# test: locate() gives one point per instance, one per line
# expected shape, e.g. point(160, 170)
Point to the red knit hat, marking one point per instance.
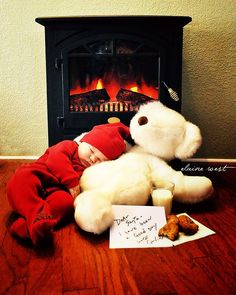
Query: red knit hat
point(108, 139)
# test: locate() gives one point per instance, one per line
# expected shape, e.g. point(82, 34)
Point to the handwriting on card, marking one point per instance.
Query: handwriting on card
point(137, 226)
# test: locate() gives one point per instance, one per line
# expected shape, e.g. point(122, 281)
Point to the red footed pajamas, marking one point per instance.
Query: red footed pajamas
point(39, 192)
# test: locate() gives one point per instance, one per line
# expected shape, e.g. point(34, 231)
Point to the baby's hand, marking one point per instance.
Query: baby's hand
point(74, 191)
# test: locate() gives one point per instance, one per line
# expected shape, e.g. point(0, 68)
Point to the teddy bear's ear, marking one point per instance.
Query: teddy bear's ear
point(191, 142)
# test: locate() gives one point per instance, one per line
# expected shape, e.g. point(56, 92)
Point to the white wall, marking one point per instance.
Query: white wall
point(209, 70)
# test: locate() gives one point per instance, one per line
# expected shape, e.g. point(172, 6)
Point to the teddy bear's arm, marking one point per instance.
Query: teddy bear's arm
point(188, 189)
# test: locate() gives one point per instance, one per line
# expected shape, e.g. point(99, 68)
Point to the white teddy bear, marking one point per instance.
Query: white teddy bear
point(160, 134)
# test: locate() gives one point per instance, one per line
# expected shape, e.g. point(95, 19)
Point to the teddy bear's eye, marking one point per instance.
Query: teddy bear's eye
point(142, 120)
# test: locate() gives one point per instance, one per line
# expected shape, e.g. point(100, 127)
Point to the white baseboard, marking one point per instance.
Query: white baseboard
point(206, 160)
point(19, 157)
point(210, 160)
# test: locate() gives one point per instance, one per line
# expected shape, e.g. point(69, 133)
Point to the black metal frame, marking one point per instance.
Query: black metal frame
point(164, 33)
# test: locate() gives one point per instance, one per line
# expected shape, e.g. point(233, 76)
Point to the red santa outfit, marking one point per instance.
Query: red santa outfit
point(39, 191)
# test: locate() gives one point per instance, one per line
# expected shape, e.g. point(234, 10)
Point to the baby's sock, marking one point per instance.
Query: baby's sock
point(41, 229)
point(19, 228)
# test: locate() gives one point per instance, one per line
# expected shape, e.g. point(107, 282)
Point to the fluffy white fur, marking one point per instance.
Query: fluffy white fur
point(160, 134)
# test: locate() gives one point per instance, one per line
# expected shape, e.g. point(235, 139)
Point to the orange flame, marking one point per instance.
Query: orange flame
point(134, 89)
point(99, 84)
point(112, 86)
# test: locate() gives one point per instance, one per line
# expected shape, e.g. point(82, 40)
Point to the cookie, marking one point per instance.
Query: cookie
point(169, 230)
point(186, 225)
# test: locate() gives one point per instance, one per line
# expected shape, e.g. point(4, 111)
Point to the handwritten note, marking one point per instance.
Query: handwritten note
point(137, 227)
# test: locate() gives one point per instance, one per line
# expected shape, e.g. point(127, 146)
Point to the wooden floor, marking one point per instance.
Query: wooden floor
point(80, 263)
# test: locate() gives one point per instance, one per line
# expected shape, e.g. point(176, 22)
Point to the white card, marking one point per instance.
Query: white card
point(137, 227)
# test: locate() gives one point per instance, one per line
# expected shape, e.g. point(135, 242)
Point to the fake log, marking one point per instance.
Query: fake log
point(134, 98)
point(98, 100)
point(88, 101)
point(94, 96)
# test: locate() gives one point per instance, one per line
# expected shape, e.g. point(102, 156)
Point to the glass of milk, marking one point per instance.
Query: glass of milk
point(162, 195)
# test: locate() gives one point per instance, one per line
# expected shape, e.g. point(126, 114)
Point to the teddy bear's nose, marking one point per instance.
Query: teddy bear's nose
point(142, 120)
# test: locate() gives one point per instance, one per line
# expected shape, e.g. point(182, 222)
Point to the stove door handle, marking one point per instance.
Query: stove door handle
point(60, 122)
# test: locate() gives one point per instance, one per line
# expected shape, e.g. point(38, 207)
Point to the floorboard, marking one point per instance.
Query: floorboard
point(81, 263)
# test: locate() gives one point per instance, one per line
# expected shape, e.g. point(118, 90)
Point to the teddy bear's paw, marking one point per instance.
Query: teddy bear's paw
point(195, 189)
point(93, 212)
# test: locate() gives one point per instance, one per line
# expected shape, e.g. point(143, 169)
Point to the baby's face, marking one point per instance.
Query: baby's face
point(89, 155)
